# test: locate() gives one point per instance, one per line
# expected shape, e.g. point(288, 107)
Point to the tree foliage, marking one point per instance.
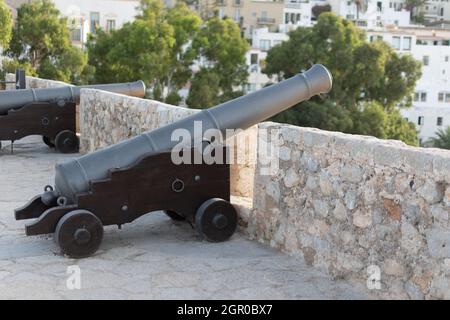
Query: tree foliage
point(442, 139)
point(317, 10)
point(41, 40)
point(222, 49)
point(205, 89)
point(369, 79)
point(155, 48)
point(160, 48)
point(5, 25)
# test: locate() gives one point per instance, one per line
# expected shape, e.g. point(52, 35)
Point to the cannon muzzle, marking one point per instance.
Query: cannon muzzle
point(74, 177)
point(15, 99)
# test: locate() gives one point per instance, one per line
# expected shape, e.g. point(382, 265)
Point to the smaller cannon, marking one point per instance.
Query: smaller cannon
point(122, 182)
point(50, 112)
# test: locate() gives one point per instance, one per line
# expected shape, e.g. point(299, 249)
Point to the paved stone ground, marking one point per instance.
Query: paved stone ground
point(152, 258)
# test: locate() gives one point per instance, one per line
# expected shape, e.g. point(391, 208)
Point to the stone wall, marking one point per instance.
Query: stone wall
point(354, 205)
point(33, 82)
point(107, 118)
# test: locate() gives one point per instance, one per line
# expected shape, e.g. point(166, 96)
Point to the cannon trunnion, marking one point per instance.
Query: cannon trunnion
point(196, 193)
point(54, 122)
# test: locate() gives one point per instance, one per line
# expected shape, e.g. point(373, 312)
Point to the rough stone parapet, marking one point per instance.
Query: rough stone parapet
point(351, 204)
point(347, 204)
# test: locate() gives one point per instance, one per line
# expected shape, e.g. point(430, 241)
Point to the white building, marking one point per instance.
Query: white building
point(262, 41)
point(373, 13)
point(297, 13)
point(435, 10)
point(255, 60)
point(86, 16)
point(431, 106)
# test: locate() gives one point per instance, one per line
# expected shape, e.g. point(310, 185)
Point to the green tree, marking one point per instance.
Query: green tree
point(413, 6)
point(222, 49)
point(41, 40)
point(5, 25)
point(317, 10)
point(369, 79)
point(69, 66)
point(205, 89)
point(442, 139)
point(319, 114)
point(155, 48)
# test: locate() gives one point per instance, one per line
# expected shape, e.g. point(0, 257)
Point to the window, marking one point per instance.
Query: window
point(254, 58)
point(406, 43)
point(237, 2)
point(420, 96)
point(426, 60)
point(75, 35)
point(379, 6)
point(264, 44)
point(237, 15)
point(420, 120)
point(298, 17)
point(396, 42)
point(286, 18)
point(444, 97)
point(423, 96)
point(446, 58)
point(221, 14)
point(94, 21)
point(110, 24)
point(439, 121)
point(264, 14)
point(442, 12)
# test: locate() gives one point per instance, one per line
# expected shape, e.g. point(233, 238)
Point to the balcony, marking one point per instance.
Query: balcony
point(360, 22)
point(265, 21)
point(294, 5)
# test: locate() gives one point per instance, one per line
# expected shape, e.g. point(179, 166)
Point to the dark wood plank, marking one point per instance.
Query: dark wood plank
point(40, 118)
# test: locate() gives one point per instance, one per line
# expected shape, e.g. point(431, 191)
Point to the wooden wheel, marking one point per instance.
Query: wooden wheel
point(79, 234)
point(216, 220)
point(67, 142)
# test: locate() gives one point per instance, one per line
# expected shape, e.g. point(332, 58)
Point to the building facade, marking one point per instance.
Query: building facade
point(431, 102)
point(86, 16)
point(435, 10)
point(249, 14)
point(372, 13)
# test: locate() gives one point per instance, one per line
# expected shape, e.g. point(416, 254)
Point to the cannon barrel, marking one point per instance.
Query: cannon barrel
point(15, 99)
point(74, 176)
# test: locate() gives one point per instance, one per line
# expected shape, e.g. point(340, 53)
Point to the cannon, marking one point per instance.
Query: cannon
point(122, 182)
point(50, 112)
